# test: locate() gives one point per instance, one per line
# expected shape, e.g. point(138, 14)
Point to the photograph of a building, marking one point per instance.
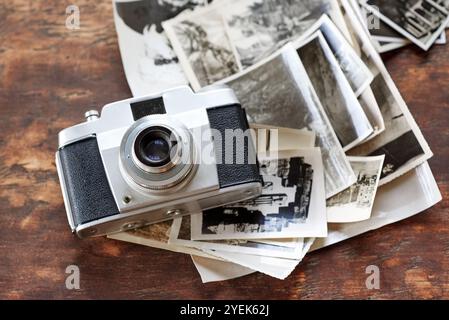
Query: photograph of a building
point(355, 203)
point(274, 209)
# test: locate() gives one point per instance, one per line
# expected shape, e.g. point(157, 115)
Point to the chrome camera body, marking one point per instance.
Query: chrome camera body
point(152, 158)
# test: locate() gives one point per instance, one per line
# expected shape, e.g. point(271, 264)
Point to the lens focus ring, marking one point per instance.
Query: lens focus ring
point(157, 153)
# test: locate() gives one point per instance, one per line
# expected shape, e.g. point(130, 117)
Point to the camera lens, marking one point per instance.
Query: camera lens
point(154, 146)
point(157, 153)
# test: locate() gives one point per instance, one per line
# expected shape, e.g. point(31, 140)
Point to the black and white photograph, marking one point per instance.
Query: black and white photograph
point(181, 235)
point(372, 24)
point(402, 142)
point(356, 203)
point(277, 91)
point(357, 73)
point(148, 59)
point(336, 95)
point(202, 46)
point(378, 29)
point(398, 142)
point(384, 37)
point(292, 203)
point(215, 42)
point(421, 21)
point(260, 27)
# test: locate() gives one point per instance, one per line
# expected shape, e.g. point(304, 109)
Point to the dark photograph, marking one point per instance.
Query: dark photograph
point(335, 93)
point(422, 21)
point(398, 142)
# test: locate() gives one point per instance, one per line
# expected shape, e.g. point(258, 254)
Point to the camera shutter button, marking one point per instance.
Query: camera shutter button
point(92, 115)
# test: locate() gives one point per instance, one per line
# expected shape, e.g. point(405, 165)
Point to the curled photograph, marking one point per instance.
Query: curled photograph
point(278, 91)
point(339, 101)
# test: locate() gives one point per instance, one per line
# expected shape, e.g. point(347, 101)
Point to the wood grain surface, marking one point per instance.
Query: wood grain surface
point(50, 75)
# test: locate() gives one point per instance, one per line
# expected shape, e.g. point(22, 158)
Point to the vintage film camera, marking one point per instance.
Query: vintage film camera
point(143, 161)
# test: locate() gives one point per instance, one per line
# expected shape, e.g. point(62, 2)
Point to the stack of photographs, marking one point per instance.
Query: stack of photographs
point(338, 146)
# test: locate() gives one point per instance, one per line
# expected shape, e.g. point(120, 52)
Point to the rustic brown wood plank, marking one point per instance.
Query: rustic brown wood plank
point(49, 76)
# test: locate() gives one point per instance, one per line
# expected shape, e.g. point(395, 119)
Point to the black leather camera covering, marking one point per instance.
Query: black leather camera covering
point(87, 186)
point(233, 117)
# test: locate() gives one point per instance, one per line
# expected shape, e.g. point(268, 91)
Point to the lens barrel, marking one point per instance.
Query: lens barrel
point(155, 146)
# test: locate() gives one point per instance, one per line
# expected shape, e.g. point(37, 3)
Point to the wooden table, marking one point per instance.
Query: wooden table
point(50, 75)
